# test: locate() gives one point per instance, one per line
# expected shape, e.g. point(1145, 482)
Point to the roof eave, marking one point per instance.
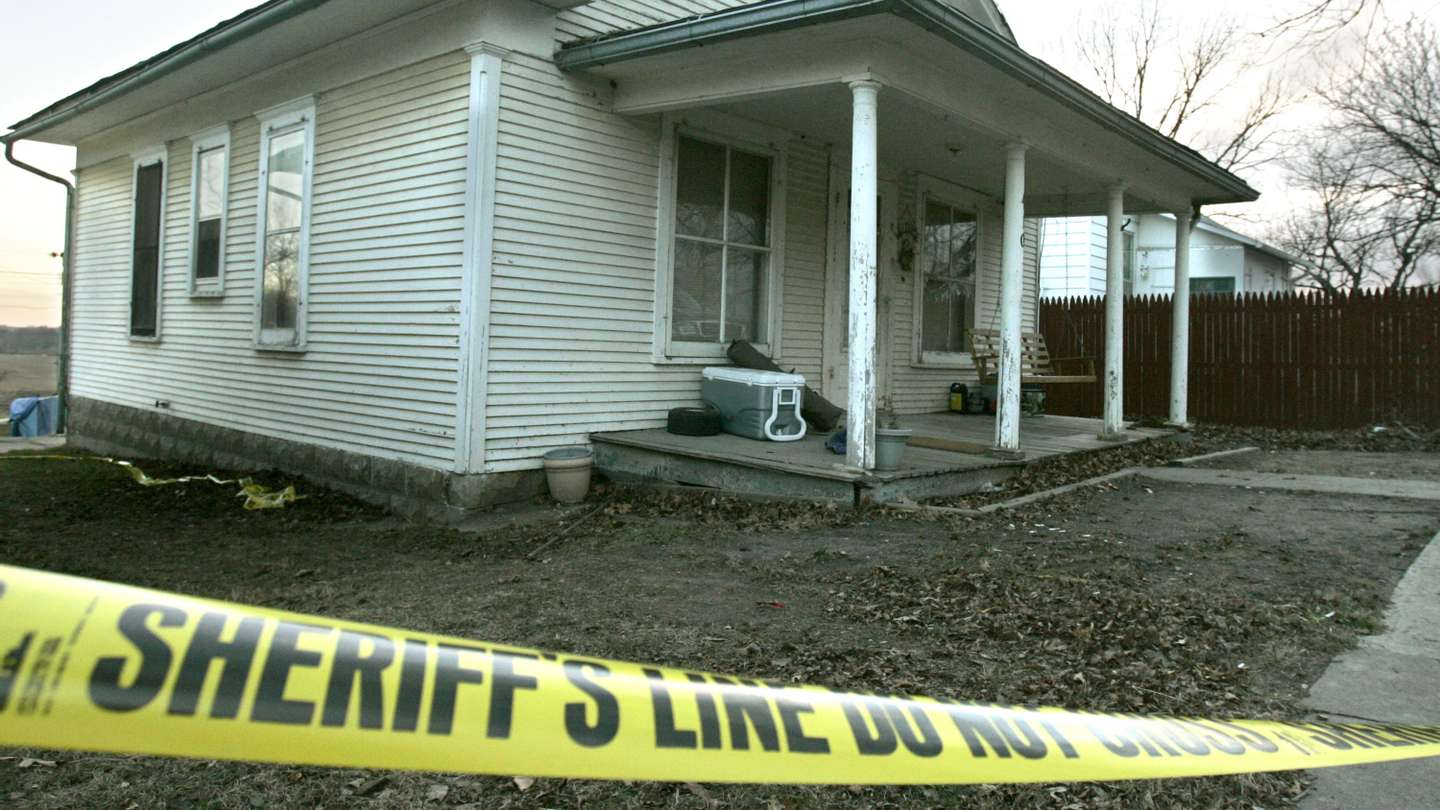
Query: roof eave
point(932, 15)
point(227, 33)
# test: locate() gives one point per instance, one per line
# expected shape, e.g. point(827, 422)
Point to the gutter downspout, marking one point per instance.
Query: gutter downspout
point(63, 383)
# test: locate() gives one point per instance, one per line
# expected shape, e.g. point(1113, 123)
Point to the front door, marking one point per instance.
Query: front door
point(836, 351)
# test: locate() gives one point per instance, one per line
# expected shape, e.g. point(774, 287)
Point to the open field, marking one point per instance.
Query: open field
point(1082, 601)
point(24, 375)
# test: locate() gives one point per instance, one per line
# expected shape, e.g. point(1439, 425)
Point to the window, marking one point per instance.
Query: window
point(209, 188)
point(286, 161)
point(148, 229)
point(950, 239)
point(1212, 286)
point(721, 254)
point(1128, 261)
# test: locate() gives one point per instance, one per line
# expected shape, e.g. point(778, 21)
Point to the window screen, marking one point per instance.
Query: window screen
point(145, 267)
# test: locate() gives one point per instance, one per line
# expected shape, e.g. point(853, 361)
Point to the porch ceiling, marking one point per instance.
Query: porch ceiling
point(941, 90)
point(916, 136)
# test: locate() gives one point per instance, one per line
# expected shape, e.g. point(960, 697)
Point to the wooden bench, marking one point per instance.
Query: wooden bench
point(1036, 364)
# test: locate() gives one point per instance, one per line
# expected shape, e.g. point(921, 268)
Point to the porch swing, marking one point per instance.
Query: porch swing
point(1037, 367)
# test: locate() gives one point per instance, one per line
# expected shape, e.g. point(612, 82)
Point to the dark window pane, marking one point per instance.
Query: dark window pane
point(700, 189)
point(749, 199)
point(281, 294)
point(207, 248)
point(745, 295)
point(1128, 262)
point(145, 269)
point(1212, 286)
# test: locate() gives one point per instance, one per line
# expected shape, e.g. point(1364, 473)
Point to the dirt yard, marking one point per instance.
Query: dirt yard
point(25, 375)
point(1134, 597)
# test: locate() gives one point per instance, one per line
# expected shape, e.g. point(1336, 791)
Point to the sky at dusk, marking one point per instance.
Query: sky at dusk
point(51, 49)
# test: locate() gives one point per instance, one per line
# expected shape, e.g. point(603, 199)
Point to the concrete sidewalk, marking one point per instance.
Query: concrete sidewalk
point(1392, 677)
point(1325, 484)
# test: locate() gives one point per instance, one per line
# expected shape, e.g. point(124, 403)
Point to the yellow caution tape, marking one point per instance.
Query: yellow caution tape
point(256, 496)
point(97, 666)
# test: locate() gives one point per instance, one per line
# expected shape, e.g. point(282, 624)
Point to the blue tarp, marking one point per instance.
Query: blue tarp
point(33, 416)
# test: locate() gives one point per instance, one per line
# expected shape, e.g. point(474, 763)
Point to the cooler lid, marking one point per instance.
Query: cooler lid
point(750, 376)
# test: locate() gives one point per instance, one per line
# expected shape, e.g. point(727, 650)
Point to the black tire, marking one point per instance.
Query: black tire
point(701, 421)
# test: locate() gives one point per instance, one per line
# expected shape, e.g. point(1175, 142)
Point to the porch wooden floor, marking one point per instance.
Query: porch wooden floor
point(806, 469)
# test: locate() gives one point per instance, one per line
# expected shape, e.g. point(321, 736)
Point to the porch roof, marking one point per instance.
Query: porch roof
point(1027, 99)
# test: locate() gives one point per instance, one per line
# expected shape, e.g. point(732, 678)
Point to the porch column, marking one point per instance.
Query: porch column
point(1012, 287)
point(864, 185)
point(1180, 326)
point(1114, 430)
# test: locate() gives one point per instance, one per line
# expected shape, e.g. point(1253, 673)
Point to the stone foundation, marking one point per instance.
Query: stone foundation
point(409, 489)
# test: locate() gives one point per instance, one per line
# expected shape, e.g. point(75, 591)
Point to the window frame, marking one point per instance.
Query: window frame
point(756, 139)
point(962, 200)
point(294, 116)
point(200, 143)
point(143, 159)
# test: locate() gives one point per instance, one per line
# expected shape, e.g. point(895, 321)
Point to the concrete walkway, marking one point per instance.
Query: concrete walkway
point(1392, 677)
point(1325, 484)
point(13, 444)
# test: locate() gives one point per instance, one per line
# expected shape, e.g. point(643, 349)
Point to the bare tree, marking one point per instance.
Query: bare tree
point(1172, 80)
point(1373, 174)
point(1321, 19)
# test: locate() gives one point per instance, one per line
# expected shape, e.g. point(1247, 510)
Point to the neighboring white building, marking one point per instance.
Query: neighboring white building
point(409, 246)
point(1072, 258)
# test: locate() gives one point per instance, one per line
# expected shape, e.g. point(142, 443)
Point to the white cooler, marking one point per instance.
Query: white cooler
point(756, 404)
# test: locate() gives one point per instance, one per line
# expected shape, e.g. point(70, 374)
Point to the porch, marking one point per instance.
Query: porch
point(806, 469)
point(940, 137)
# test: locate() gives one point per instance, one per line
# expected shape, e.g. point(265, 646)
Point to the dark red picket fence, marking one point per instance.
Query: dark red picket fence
point(1292, 360)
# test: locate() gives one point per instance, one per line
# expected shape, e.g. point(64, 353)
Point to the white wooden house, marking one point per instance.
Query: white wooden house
point(408, 246)
point(1222, 260)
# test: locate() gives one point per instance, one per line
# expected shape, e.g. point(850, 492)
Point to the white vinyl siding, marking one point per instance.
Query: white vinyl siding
point(806, 217)
point(1073, 256)
point(386, 232)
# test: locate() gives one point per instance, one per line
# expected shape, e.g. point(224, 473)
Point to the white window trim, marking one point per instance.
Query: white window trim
point(215, 138)
point(740, 134)
point(284, 118)
point(965, 200)
point(147, 157)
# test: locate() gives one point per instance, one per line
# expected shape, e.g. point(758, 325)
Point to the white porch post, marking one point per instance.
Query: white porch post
point(1012, 287)
point(1114, 429)
point(1180, 328)
point(864, 185)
